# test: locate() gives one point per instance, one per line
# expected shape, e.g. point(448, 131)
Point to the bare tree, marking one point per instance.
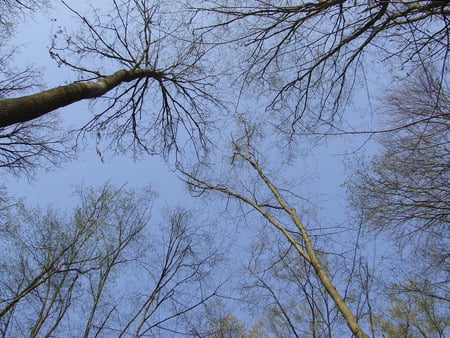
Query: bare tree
point(102, 272)
point(283, 292)
point(404, 192)
point(149, 68)
point(278, 213)
point(294, 301)
point(310, 55)
point(150, 78)
point(406, 187)
point(25, 146)
point(144, 61)
point(28, 146)
point(13, 11)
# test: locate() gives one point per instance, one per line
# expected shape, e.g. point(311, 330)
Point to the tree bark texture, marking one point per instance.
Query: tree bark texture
point(26, 108)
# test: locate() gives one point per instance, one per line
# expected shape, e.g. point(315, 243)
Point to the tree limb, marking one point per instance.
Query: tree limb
point(26, 108)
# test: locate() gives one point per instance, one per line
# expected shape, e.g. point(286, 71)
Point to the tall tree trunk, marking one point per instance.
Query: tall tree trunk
point(26, 108)
point(325, 279)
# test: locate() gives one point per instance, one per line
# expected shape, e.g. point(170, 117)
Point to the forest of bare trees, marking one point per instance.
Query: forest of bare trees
point(236, 98)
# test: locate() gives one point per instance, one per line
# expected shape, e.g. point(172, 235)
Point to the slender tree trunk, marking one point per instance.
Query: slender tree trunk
point(311, 255)
point(308, 252)
point(26, 108)
point(351, 320)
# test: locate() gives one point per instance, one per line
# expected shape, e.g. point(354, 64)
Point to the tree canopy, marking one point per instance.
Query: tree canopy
point(235, 97)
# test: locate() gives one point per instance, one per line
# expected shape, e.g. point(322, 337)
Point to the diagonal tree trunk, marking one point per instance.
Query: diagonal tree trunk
point(26, 108)
point(305, 250)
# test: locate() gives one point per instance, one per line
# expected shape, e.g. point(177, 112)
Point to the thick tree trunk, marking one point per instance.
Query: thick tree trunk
point(26, 108)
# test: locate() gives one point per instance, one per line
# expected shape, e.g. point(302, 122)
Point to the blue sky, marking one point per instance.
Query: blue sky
point(324, 165)
point(55, 186)
point(321, 172)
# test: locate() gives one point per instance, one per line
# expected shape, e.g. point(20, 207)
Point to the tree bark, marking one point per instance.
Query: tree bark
point(342, 306)
point(348, 315)
point(308, 252)
point(26, 108)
